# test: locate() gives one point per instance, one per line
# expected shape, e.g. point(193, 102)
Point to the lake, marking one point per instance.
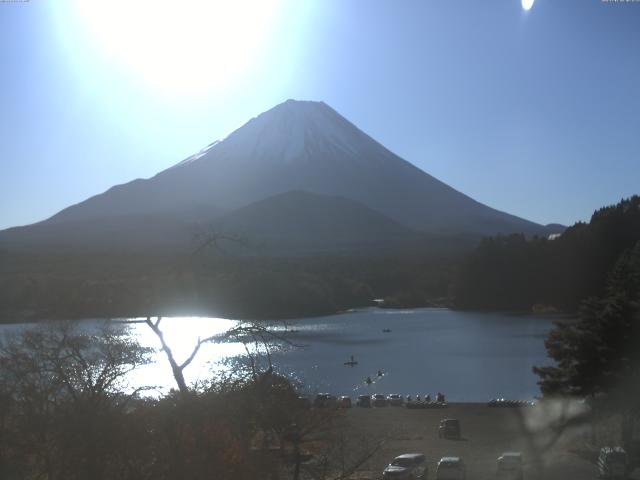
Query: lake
point(469, 356)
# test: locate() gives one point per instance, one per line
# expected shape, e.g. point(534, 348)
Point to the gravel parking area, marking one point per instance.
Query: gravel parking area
point(486, 434)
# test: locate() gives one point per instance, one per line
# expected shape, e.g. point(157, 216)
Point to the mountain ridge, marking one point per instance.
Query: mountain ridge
point(297, 146)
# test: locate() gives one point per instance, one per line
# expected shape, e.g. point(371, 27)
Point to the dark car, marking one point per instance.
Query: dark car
point(363, 401)
point(613, 462)
point(449, 428)
point(325, 400)
point(379, 400)
point(304, 402)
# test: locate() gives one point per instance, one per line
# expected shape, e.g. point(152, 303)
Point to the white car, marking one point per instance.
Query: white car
point(408, 466)
point(510, 466)
point(451, 468)
point(379, 400)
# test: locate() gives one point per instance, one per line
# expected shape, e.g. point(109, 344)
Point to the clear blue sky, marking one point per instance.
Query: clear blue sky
point(536, 113)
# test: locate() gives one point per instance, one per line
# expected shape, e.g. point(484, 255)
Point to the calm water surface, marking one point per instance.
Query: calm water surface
point(469, 356)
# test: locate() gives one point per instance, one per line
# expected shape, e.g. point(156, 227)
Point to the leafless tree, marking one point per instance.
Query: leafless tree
point(339, 450)
point(210, 239)
point(61, 387)
point(177, 368)
point(256, 337)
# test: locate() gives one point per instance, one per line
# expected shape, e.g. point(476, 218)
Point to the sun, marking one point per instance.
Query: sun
point(527, 4)
point(180, 46)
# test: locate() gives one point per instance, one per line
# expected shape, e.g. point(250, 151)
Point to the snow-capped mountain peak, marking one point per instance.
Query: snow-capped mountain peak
point(288, 132)
point(302, 146)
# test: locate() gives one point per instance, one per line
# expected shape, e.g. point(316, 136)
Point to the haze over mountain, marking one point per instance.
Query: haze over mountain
point(297, 146)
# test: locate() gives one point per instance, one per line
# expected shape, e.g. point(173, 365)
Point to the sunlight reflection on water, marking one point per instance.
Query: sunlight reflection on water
point(471, 356)
point(181, 335)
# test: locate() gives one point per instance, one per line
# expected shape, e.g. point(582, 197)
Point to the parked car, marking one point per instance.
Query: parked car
point(407, 466)
point(510, 466)
point(344, 401)
point(325, 400)
point(449, 428)
point(503, 403)
point(613, 462)
point(364, 401)
point(451, 468)
point(304, 402)
point(395, 400)
point(379, 400)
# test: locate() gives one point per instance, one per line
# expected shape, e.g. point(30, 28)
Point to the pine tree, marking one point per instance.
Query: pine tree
point(598, 356)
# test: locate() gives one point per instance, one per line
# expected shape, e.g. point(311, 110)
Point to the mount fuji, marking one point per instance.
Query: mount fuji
point(299, 163)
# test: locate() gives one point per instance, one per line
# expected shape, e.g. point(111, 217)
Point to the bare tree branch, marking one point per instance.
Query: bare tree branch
point(212, 238)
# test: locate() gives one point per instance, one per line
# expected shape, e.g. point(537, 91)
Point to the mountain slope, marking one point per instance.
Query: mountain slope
point(305, 146)
point(118, 233)
point(302, 221)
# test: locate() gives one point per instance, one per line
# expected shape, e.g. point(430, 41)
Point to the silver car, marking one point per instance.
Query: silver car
point(409, 466)
point(510, 466)
point(451, 468)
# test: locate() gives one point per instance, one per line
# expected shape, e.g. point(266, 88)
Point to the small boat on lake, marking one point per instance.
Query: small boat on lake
point(352, 362)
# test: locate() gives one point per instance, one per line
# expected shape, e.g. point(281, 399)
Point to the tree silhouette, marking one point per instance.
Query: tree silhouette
point(598, 356)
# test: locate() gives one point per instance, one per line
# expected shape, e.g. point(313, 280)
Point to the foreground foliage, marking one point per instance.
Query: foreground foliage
point(68, 413)
point(597, 356)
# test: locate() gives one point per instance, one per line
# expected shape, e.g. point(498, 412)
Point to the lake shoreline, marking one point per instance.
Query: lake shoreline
point(43, 317)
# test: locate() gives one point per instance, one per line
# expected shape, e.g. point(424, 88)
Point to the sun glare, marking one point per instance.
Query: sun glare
point(186, 46)
point(527, 4)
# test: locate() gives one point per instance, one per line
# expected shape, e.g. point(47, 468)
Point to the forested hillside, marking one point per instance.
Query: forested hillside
point(513, 272)
point(89, 286)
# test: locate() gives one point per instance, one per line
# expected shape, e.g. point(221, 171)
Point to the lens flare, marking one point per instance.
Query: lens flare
point(191, 45)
